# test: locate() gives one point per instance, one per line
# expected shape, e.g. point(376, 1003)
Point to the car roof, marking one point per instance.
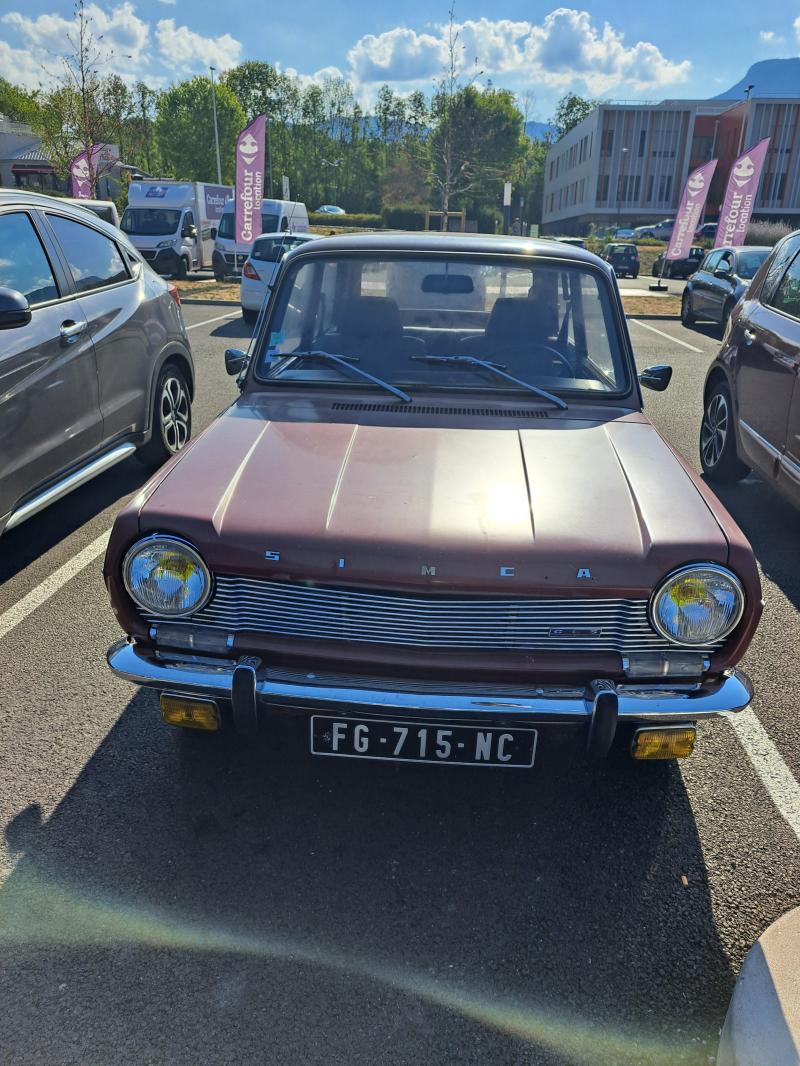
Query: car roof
point(456, 244)
point(21, 198)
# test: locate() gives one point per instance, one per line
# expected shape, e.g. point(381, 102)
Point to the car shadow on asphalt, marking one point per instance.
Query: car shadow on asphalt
point(198, 899)
point(771, 525)
point(234, 327)
point(21, 546)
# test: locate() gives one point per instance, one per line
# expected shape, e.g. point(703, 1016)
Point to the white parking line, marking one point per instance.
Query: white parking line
point(775, 775)
point(208, 321)
point(666, 336)
point(49, 587)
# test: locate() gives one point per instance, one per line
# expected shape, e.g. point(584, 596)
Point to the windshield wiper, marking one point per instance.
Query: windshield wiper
point(345, 364)
point(494, 368)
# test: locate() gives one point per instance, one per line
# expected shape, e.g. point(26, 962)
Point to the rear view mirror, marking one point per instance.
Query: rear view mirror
point(235, 361)
point(14, 309)
point(448, 284)
point(656, 377)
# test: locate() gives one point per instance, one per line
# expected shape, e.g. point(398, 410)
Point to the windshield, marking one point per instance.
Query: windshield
point(227, 225)
point(549, 325)
point(750, 261)
point(270, 249)
point(150, 221)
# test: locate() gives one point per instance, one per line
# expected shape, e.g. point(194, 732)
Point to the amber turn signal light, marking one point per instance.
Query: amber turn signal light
point(676, 743)
point(189, 713)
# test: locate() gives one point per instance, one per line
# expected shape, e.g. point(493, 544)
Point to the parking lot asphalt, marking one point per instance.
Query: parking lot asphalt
point(168, 901)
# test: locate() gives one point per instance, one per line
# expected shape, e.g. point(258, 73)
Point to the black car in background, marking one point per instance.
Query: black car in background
point(679, 268)
point(719, 283)
point(624, 258)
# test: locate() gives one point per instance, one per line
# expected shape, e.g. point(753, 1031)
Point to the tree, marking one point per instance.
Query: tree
point(84, 107)
point(184, 129)
point(476, 141)
point(570, 110)
point(16, 103)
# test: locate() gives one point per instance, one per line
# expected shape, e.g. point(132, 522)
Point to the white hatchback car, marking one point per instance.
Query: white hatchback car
point(261, 266)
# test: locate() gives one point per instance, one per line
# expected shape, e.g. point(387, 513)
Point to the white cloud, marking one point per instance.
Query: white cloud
point(170, 3)
point(188, 51)
point(397, 55)
point(796, 25)
point(564, 48)
point(771, 37)
point(317, 78)
point(123, 33)
point(20, 68)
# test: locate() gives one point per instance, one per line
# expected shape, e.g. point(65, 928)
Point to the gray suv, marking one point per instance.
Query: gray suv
point(95, 363)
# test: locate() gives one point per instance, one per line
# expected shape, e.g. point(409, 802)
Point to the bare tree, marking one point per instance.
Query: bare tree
point(83, 108)
point(452, 171)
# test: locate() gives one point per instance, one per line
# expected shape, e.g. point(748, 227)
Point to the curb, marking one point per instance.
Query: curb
point(208, 303)
point(656, 318)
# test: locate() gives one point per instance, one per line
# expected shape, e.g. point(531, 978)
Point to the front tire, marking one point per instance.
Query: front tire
point(183, 268)
point(718, 455)
point(687, 314)
point(171, 417)
point(250, 317)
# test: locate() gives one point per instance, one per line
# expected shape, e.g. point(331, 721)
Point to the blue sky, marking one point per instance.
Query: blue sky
point(628, 49)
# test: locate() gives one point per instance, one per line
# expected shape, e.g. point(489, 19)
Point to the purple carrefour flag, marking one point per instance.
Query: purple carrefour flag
point(691, 207)
point(80, 176)
point(740, 196)
point(249, 180)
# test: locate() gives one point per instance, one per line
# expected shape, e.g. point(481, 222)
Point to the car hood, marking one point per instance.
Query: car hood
point(571, 505)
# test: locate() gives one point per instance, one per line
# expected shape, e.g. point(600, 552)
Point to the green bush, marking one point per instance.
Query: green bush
point(404, 216)
point(321, 218)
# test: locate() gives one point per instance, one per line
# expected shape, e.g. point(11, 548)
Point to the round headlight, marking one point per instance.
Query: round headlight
point(697, 605)
point(165, 576)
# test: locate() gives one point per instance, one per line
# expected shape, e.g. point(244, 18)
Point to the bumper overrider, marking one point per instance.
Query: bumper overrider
point(251, 688)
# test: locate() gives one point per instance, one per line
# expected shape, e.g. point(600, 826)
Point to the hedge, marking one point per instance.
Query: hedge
point(404, 216)
point(321, 218)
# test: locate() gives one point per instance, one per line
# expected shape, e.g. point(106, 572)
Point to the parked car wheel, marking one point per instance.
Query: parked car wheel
point(718, 455)
point(654, 271)
point(687, 314)
point(218, 277)
point(172, 417)
point(249, 316)
point(635, 275)
point(183, 267)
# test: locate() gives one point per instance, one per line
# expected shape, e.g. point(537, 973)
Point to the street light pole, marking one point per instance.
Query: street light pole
point(747, 90)
point(216, 131)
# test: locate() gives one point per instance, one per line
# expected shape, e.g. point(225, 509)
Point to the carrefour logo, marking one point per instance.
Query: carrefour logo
point(248, 148)
point(80, 169)
point(743, 171)
point(696, 184)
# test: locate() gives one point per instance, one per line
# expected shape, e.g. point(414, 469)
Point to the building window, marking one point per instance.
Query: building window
point(607, 143)
point(642, 142)
point(602, 188)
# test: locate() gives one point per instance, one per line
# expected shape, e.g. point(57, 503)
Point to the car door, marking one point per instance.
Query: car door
point(786, 305)
point(721, 284)
point(767, 336)
point(701, 283)
point(122, 328)
point(190, 236)
point(50, 417)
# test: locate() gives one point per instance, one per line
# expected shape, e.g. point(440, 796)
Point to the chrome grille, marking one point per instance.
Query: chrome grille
point(314, 612)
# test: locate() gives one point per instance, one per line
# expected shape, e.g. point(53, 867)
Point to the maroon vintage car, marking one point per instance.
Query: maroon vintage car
point(437, 523)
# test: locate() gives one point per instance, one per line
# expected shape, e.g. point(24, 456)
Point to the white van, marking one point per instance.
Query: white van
point(277, 216)
point(174, 223)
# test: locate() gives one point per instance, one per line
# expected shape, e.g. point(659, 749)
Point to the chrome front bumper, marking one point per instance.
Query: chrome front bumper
point(249, 682)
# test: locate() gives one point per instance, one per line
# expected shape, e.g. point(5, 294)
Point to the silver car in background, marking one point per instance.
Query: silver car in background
point(95, 363)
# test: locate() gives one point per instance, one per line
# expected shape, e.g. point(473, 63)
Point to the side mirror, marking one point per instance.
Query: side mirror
point(14, 309)
point(193, 231)
point(723, 273)
point(213, 233)
point(235, 361)
point(657, 377)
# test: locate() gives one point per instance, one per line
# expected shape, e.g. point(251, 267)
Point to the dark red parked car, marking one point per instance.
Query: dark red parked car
point(751, 402)
point(437, 523)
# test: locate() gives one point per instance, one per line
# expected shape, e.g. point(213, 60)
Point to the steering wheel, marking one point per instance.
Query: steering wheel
point(526, 349)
